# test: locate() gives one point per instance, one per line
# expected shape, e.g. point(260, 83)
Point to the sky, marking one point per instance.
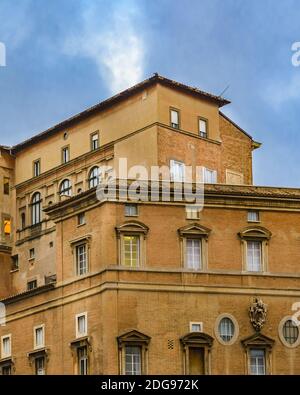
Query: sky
point(63, 56)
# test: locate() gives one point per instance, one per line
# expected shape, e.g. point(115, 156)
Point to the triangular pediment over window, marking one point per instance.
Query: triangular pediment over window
point(258, 340)
point(194, 229)
point(134, 337)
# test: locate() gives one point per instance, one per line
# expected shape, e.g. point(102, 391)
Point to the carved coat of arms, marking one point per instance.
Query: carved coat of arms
point(258, 314)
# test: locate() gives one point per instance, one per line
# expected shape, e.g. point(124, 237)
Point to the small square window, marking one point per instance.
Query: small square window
point(31, 253)
point(81, 219)
point(253, 216)
point(131, 210)
point(192, 212)
point(196, 326)
point(81, 325)
point(31, 285)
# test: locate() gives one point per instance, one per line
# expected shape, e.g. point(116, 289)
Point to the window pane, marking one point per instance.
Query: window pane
point(226, 329)
point(39, 337)
point(131, 250)
point(202, 128)
point(177, 171)
point(81, 259)
point(290, 332)
point(193, 254)
point(254, 258)
point(81, 325)
point(6, 347)
point(40, 366)
point(133, 364)
point(174, 118)
point(82, 360)
point(253, 216)
point(257, 361)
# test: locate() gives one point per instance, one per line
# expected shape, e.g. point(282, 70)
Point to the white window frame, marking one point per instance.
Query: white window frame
point(175, 125)
point(3, 354)
point(81, 219)
point(133, 362)
point(200, 324)
point(174, 166)
point(138, 260)
point(79, 334)
point(85, 268)
point(256, 362)
point(192, 212)
point(253, 212)
point(202, 133)
point(128, 210)
point(39, 371)
point(65, 154)
point(36, 168)
point(37, 346)
point(195, 265)
point(210, 176)
point(252, 267)
point(95, 141)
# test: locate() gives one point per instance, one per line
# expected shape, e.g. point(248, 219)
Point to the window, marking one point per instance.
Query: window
point(81, 259)
point(6, 370)
point(177, 171)
point(290, 332)
point(254, 256)
point(6, 185)
point(253, 216)
point(15, 262)
point(131, 210)
point(31, 285)
point(209, 176)
point(36, 208)
point(7, 226)
point(65, 135)
point(133, 360)
point(193, 254)
point(131, 251)
point(226, 329)
point(196, 326)
point(31, 253)
point(257, 361)
point(174, 118)
point(95, 141)
point(65, 154)
point(81, 325)
point(94, 177)
point(65, 188)
point(192, 212)
point(39, 363)
point(202, 127)
point(81, 219)
point(6, 346)
point(39, 336)
point(82, 356)
point(196, 349)
point(23, 221)
point(36, 168)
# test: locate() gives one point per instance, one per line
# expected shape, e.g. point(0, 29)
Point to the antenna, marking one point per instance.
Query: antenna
point(223, 91)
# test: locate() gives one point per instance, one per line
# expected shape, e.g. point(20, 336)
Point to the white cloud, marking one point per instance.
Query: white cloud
point(113, 42)
point(283, 91)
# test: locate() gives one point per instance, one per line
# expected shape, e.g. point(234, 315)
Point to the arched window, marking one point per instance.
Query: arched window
point(94, 177)
point(36, 208)
point(65, 188)
point(23, 221)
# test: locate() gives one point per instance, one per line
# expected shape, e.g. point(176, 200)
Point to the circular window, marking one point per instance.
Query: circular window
point(226, 329)
point(289, 332)
point(65, 135)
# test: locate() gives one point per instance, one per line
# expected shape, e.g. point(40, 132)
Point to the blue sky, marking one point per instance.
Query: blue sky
point(64, 55)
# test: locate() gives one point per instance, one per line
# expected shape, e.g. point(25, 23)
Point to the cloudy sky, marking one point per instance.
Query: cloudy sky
point(63, 56)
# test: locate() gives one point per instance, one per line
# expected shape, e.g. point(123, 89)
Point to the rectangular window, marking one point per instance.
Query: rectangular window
point(31, 285)
point(81, 259)
point(81, 325)
point(131, 210)
point(94, 141)
point(40, 366)
point(82, 356)
point(6, 370)
point(192, 212)
point(202, 127)
point(253, 216)
point(254, 256)
point(193, 254)
point(6, 346)
point(7, 226)
point(81, 219)
point(31, 253)
point(257, 361)
point(36, 168)
point(196, 326)
point(209, 176)
point(133, 360)
point(6, 185)
point(131, 251)
point(65, 154)
point(174, 118)
point(177, 171)
point(15, 262)
point(39, 336)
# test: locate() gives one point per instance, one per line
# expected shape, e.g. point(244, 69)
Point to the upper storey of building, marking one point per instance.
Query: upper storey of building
point(156, 122)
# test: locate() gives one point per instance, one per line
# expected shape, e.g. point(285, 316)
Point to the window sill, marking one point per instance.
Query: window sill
point(253, 222)
point(80, 225)
point(14, 270)
point(31, 260)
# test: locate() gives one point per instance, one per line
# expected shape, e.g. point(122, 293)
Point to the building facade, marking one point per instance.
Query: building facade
point(154, 286)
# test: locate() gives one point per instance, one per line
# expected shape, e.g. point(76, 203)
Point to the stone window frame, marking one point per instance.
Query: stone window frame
point(280, 333)
point(258, 341)
point(255, 233)
point(194, 231)
point(7, 336)
point(196, 340)
point(132, 228)
point(170, 117)
point(133, 338)
point(38, 353)
point(96, 133)
point(35, 346)
point(206, 120)
point(7, 362)
point(86, 239)
point(77, 333)
point(236, 329)
point(75, 345)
